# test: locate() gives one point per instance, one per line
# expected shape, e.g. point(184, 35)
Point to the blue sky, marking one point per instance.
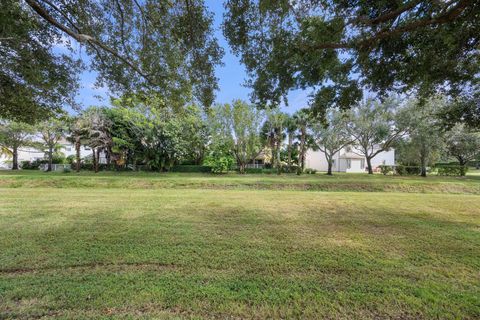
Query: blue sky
point(231, 75)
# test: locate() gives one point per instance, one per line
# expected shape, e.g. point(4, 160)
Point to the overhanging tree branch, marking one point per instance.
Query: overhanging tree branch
point(446, 17)
point(84, 38)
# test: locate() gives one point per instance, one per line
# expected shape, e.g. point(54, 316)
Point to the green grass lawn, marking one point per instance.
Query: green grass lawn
point(201, 246)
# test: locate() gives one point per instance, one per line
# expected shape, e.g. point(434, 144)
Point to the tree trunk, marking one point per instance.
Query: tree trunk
point(369, 165)
point(423, 171)
point(77, 154)
point(94, 159)
point(329, 170)
point(15, 158)
point(50, 158)
point(98, 160)
point(301, 154)
point(272, 147)
point(279, 162)
point(290, 142)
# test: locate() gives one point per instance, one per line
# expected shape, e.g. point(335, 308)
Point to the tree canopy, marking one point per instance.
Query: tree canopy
point(338, 47)
point(166, 47)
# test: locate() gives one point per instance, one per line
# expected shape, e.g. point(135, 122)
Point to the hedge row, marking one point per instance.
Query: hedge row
point(452, 170)
point(440, 169)
point(191, 168)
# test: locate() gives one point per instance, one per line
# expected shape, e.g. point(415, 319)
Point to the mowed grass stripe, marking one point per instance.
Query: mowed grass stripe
point(318, 182)
point(241, 253)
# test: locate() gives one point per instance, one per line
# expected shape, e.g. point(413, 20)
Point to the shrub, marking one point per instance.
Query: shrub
point(413, 170)
point(67, 169)
point(221, 164)
point(310, 171)
point(191, 168)
point(254, 170)
point(31, 165)
point(71, 159)
point(384, 169)
point(452, 170)
point(400, 170)
point(270, 171)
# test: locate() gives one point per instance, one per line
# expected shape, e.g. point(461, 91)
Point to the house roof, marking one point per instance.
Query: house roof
point(351, 155)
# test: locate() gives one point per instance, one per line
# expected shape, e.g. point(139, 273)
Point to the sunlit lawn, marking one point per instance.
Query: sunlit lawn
point(179, 250)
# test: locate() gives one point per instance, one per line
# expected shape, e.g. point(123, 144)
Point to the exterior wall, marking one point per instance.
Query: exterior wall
point(385, 157)
point(316, 160)
point(356, 165)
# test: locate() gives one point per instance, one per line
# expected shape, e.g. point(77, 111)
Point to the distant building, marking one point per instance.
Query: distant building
point(32, 154)
point(348, 160)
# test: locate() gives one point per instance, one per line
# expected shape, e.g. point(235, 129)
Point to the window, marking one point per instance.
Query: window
point(87, 148)
point(349, 163)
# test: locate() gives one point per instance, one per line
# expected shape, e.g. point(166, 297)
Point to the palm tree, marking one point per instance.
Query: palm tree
point(291, 127)
point(273, 131)
point(302, 119)
point(77, 136)
point(97, 128)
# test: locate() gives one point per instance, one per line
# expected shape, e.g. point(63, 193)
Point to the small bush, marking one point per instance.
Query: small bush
point(452, 170)
point(384, 169)
point(191, 168)
point(400, 170)
point(310, 171)
point(219, 164)
point(67, 169)
point(254, 170)
point(31, 165)
point(413, 170)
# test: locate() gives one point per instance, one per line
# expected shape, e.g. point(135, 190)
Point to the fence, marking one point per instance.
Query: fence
point(255, 166)
point(56, 167)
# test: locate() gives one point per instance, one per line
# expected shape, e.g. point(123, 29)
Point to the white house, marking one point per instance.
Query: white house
point(32, 154)
point(348, 160)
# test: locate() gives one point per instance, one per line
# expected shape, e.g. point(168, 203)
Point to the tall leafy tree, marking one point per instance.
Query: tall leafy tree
point(51, 131)
point(337, 47)
point(463, 144)
point(333, 136)
point(425, 139)
point(240, 124)
point(148, 46)
point(374, 128)
point(35, 81)
point(14, 135)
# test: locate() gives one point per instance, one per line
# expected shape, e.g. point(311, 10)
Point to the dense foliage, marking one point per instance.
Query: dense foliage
point(134, 46)
point(338, 47)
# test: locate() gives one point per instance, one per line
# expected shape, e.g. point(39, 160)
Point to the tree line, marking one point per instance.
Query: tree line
point(144, 131)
